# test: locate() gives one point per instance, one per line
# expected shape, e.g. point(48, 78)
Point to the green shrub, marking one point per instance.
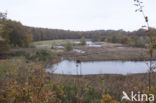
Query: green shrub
point(82, 41)
point(19, 53)
point(140, 42)
point(42, 55)
point(131, 43)
point(68, 46)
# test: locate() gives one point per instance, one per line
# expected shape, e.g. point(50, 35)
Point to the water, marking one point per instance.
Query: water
point(60, 47)
point(76, 42)
point(89, 43)
point(121, 47)
point(79, 51)
point(92, 44)
point(99, 67)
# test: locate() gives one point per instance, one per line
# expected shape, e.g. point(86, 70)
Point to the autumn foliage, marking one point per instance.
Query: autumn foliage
point(29, 83)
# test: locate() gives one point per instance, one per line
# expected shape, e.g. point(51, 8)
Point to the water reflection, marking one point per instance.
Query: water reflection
point(89, 43)
point(99, 67)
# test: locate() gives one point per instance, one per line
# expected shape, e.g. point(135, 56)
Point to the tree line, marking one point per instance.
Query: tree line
point(12, 34)
point(40, 34)
point(136, 38)
point(17, 35)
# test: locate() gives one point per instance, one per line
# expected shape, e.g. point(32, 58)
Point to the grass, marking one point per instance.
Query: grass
point(50, 42)
point(106, 53)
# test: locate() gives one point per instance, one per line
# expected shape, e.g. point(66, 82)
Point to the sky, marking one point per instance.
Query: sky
point(79, 15)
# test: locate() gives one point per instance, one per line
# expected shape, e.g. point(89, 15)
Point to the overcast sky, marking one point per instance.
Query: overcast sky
point(79, 14)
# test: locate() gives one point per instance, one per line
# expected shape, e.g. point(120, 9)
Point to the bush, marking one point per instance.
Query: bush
point(19, 53)
point(140, 42)
point(42, 55)
point(82, 41)
point(23, 83)
point(29, 83)
point(68, 46)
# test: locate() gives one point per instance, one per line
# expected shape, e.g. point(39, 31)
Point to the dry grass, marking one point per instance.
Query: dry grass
point(112, 84)
point(110, 51)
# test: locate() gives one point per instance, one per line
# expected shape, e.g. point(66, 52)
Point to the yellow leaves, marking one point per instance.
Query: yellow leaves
point(13, 93)
point(61, 92)
point(31, 86)
point(29, 38)
point(114, 101)
point(35, 86)
point(1, 97)
point(100, 83)
point(8, 69)
point(149, 33)
point(153, 41)
point(31, 93)
point(106, 99)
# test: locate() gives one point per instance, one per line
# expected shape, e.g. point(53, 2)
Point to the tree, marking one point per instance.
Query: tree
point(2, 18)
point(140, 42)
point(15, 33)
point(152, 44)
point(4, 47)
point(114, 39)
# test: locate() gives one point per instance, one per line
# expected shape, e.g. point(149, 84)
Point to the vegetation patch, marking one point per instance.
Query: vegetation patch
point(50, 42)
point(68, 46)
point(23, 82)
point(40, 55)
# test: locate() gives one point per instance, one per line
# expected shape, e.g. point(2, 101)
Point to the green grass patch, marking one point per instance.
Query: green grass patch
point(50, 42)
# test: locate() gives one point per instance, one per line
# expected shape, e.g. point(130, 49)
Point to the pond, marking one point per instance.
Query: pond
point(79, 51)
point(89, 43)
point(121, 47)
point(92, 44)
point(60, 47)
point(99, 67)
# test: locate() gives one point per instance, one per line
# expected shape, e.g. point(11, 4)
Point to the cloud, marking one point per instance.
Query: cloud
point(78, 14)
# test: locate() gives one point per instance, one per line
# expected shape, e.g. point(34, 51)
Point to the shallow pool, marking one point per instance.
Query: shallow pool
point(99, 67)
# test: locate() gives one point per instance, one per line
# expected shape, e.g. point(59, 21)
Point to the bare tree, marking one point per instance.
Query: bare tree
point(139, 5)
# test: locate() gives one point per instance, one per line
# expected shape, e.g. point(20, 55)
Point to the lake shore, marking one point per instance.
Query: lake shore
point(103, 52)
